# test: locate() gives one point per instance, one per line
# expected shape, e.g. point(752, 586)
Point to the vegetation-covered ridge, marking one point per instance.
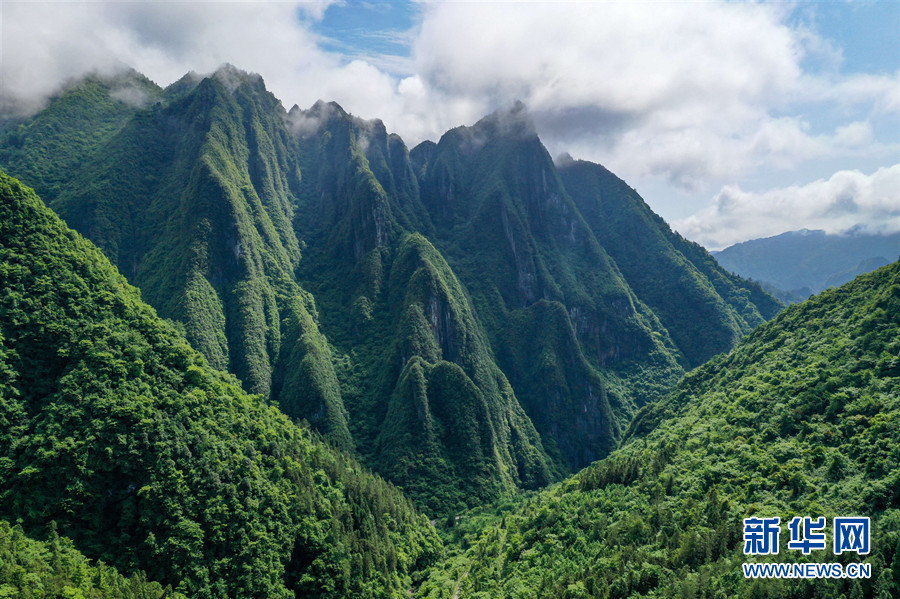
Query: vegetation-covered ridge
point(592, 305)
point(704, 308)
point(428, 404)
point(800, 419)
point(191, 196)
point(112, 427)
point(281, 242)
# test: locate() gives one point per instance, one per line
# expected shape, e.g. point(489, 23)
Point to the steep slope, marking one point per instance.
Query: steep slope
point(577, 345)
point(78, 122)
point(147, 458)
point(800, 419)
point(192, 198)
point(54, 568)
point(427, 402)
point(806, 262)
point(704, 308)
point(458, 289)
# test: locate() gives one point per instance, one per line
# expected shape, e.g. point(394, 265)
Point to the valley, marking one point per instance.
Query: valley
point(250, 351)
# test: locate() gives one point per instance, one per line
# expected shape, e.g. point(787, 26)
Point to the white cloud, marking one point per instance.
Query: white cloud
point(696, 95)
point(784, 142)
point(882, 92)
point(847, 199)
point(691, 92)
point(46, 43)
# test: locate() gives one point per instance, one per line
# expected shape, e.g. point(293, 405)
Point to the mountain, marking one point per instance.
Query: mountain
point(116, 430)
point(428, 403)
point(801, 263)
point(454, 315)
point(800, 419)
point(563, 323)
point(704, 308)
point(177, 199)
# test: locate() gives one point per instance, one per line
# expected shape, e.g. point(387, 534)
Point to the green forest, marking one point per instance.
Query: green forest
point(120, 437)
point(801, 418)
point(255, 352)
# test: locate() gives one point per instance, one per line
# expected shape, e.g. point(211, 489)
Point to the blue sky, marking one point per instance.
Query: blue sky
point(734, 120)
point(369, 29)
point(866, 32)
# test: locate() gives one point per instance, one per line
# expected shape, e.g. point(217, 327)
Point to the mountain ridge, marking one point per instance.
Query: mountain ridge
point(803, 263)
point(799, 419)
point(273, 237)
point(114, 428)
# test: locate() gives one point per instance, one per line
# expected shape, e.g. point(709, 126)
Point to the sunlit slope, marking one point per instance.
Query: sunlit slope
point(800, 419)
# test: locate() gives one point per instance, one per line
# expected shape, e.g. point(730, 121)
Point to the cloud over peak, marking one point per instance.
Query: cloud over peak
point(694, 96)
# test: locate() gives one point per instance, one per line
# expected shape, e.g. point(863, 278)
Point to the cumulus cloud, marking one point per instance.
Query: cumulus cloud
point(844, 201)
point(691, 92)
point(692, 95)
point(44, 44)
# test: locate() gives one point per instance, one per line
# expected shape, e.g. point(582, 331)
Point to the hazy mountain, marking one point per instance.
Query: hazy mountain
point(466, 317)
point(802, 263)
point(801, 418)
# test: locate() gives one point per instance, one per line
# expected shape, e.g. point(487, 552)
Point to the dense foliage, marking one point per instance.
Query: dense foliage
point(428, 403)
point(33, 569)
point(399, 301)
point(536, 272)
point(112, 427)
point(57, 142)
point(571, 309)
point(191, 197)
point(704, 308)
point(801, 419)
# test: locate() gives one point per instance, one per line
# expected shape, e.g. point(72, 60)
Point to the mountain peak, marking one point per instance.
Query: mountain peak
point(513, 121)
point(309, 121)
point(563, 160)
point(232, 77)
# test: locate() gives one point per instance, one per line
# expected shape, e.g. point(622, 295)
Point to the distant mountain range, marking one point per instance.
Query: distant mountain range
point(797, 264)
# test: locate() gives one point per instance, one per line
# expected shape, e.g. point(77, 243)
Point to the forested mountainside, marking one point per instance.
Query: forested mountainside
point(117, 435)
point(800, 263)
point(703, 307)
point(426, 398)
point(802, 418)
point(54, 568)
point(466, 317)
